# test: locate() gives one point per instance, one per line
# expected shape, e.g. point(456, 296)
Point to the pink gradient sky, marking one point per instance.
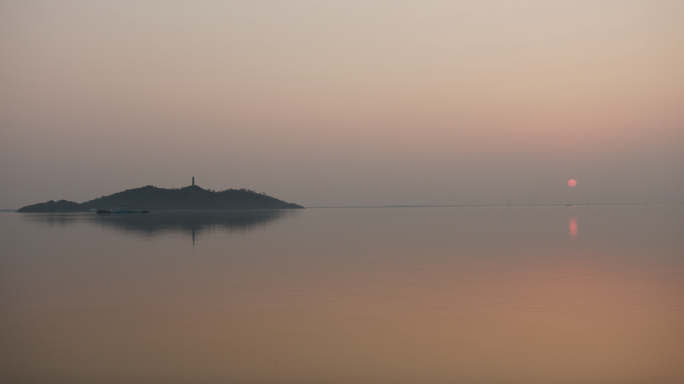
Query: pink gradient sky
point(353, 103)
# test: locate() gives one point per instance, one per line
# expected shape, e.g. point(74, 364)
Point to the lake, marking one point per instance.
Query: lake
point(583, 294)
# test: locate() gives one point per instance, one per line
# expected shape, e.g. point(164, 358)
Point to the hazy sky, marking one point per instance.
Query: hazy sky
point(345, 103)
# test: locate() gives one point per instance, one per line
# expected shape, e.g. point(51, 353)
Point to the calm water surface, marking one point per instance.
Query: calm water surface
point(398, 295)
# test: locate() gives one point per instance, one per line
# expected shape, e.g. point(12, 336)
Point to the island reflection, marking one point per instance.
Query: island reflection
point(156, 223)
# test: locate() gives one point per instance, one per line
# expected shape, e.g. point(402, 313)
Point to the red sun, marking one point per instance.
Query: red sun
point(572, 182)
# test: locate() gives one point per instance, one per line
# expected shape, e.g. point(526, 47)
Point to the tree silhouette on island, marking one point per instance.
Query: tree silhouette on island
point(153, 198)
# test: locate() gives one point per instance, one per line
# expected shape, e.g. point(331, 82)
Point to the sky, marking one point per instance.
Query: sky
point(355, 103)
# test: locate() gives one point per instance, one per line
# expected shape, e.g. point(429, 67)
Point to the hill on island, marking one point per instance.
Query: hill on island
point(153, 198)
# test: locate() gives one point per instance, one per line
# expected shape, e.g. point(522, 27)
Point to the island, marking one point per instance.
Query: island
point(154, 198)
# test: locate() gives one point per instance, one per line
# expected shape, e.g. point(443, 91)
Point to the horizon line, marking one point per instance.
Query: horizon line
point(484, 205)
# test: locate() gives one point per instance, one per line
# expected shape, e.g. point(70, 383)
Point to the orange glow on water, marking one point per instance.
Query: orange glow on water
point(573, 227)
point(391, 295)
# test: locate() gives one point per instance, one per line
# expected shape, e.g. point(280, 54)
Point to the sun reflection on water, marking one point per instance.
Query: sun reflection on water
point(573, 227)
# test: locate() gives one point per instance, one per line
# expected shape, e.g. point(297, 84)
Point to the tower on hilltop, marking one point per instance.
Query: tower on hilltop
point(193, 181)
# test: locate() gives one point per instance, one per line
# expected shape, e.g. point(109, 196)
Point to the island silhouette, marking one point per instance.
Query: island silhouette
point(154, 198)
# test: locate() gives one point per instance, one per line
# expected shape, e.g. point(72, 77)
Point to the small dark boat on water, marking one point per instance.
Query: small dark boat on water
point(121, 211)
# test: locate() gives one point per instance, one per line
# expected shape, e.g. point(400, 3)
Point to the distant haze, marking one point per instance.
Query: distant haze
point(345, 103)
